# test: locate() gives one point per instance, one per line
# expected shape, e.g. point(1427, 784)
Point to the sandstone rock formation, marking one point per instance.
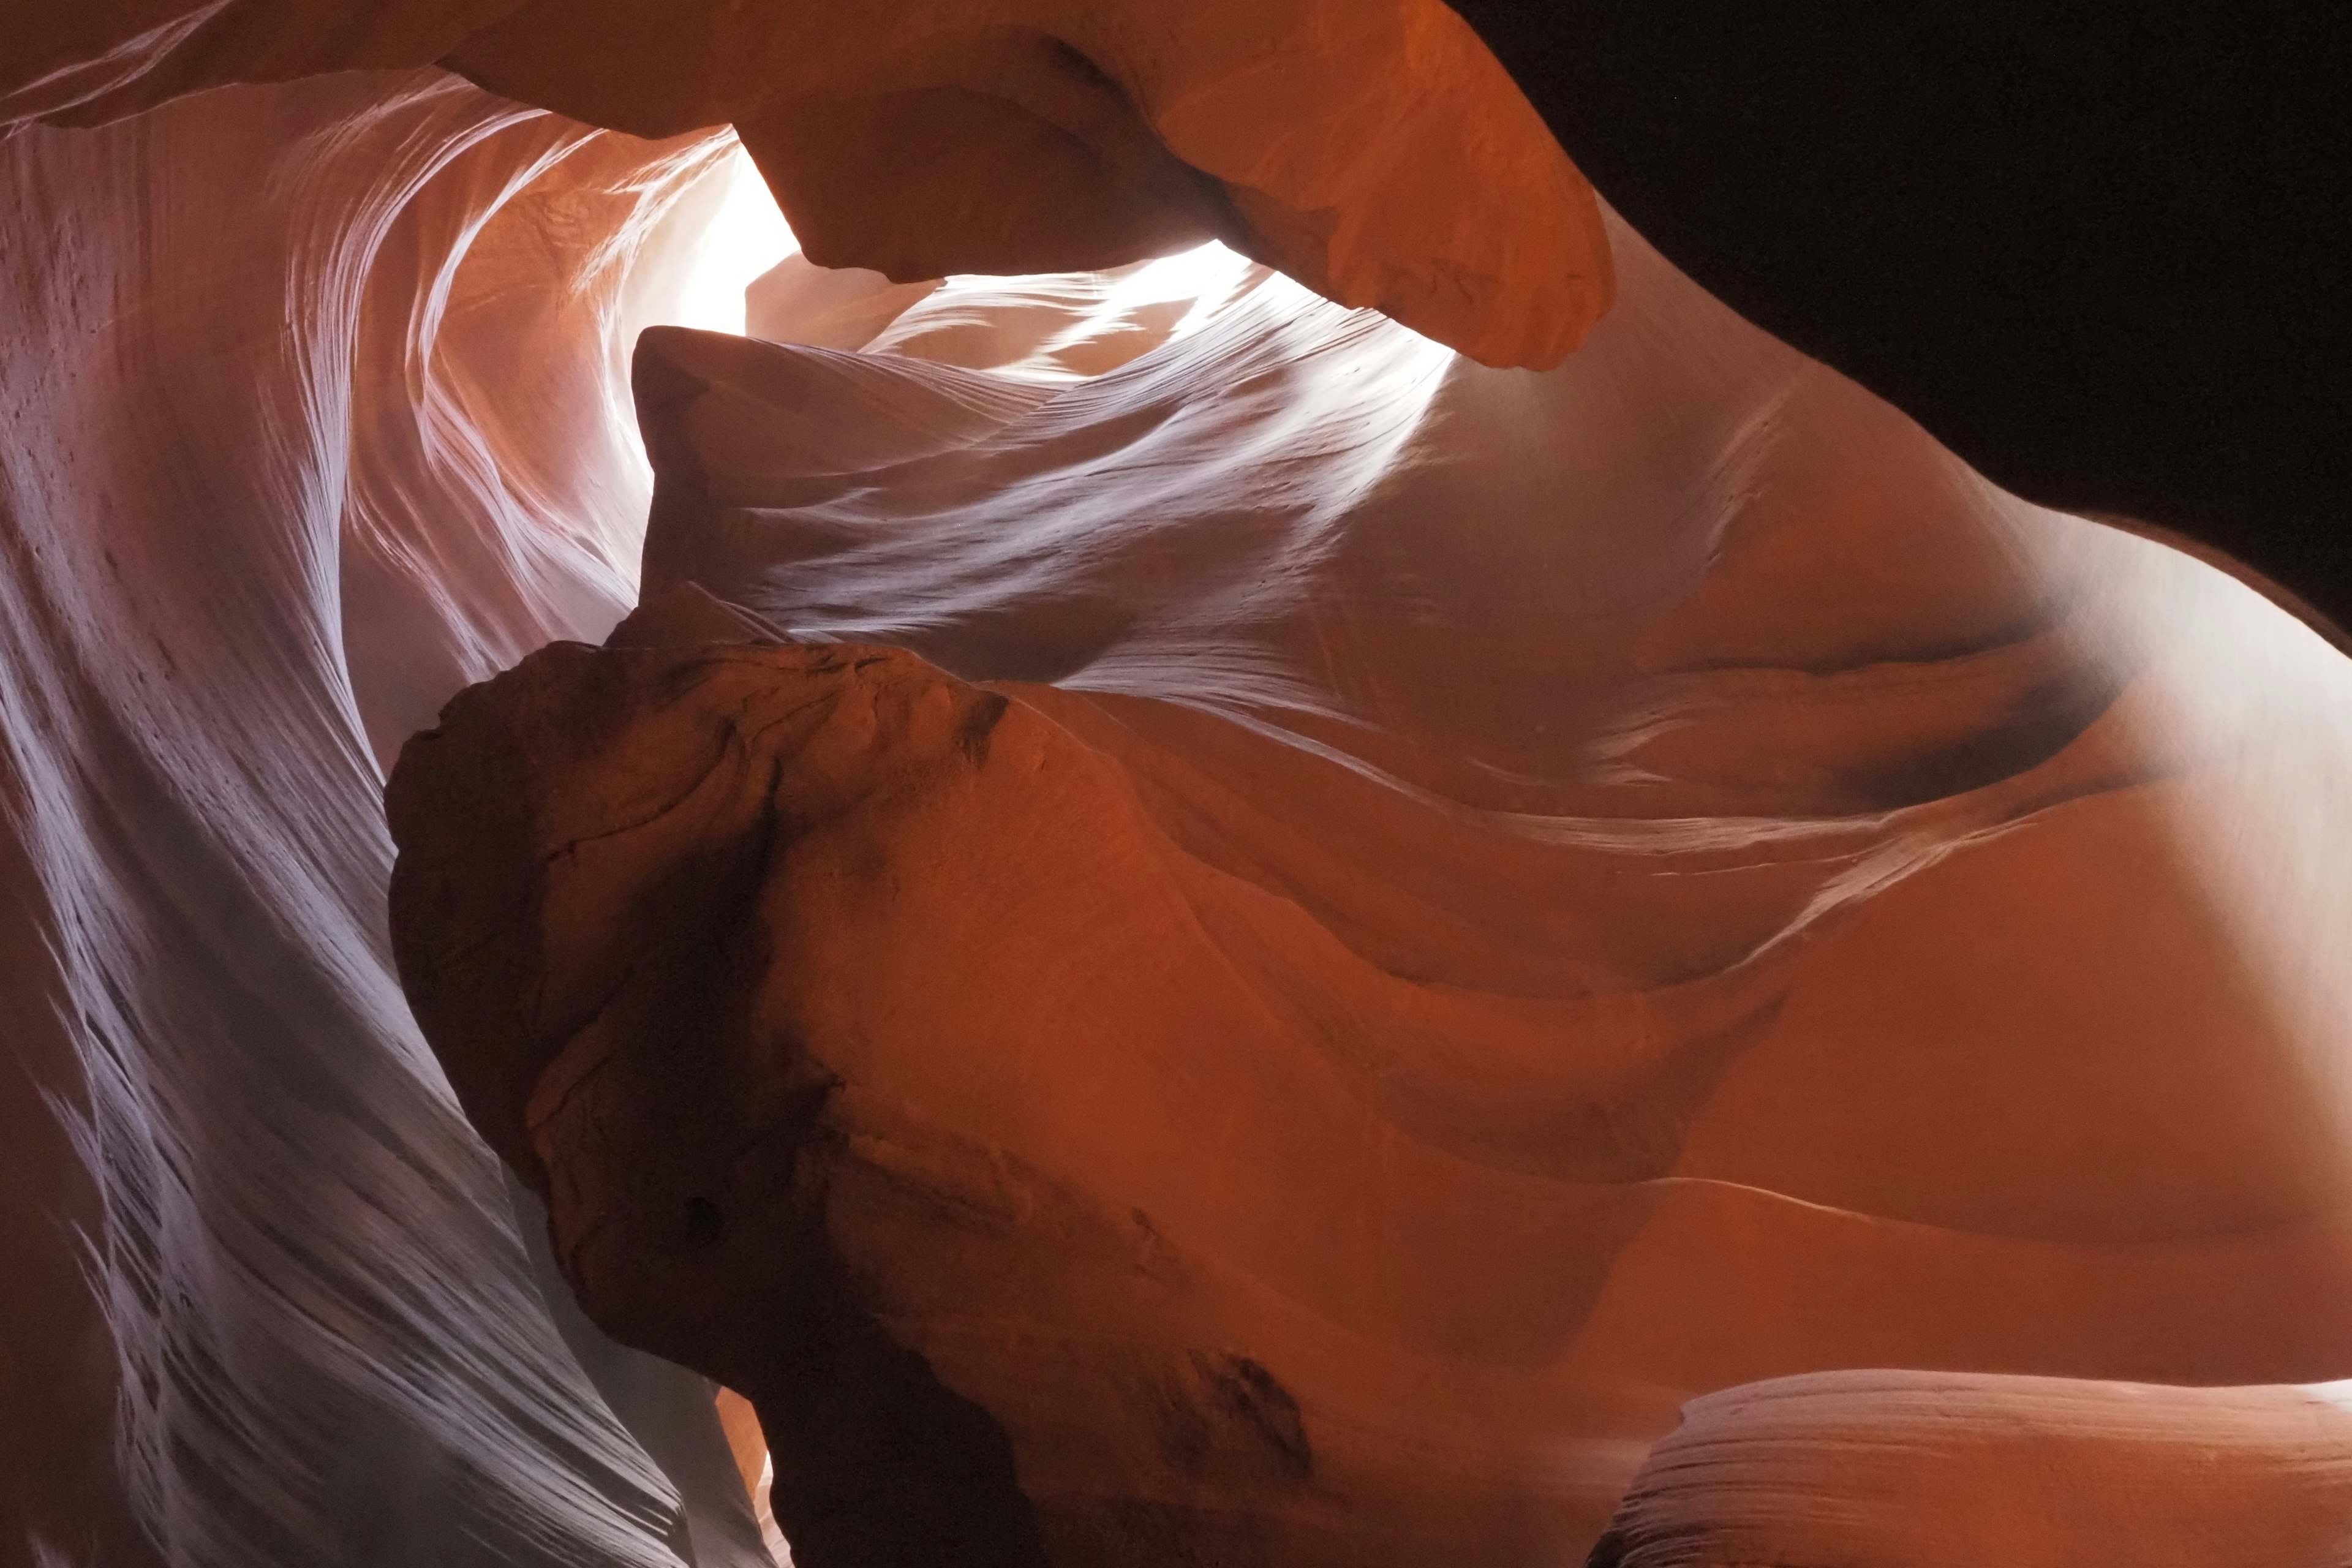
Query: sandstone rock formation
point(1054, 326)
point(1372, 148)
point(1539, 897)
point(313, 386)
point(307, 418)
point(1462, 911)
point(1949, 1471)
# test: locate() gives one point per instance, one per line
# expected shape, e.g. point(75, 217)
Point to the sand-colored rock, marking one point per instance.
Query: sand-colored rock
point(1929, 1471)
point(1549, 895)
point(1374, 151)
point(968, 1083)
point(1493, 906)
point(749, 847)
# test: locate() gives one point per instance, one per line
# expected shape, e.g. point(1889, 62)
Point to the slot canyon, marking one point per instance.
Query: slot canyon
point(1147, 784)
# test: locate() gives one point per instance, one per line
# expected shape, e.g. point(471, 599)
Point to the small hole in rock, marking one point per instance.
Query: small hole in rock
point(703, 1222)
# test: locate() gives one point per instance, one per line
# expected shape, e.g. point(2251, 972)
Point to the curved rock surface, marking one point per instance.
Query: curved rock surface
point(1372, 149)
point(1839, 1470)
point(1557, 893)
point(1406, 920)
point(307, 418)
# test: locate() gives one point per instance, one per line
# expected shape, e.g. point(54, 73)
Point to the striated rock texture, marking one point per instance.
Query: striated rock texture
point(1056, 327)
point(309, 393)
point(1322, 935)
point(307, 419)
point(1275, 954)
point(1838, 1470)
point(1372, 149)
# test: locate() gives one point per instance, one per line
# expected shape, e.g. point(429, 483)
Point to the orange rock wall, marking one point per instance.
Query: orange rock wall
point(1376, 151)
point(1373, 925)
point(1462, 910)
point(1936, 1470)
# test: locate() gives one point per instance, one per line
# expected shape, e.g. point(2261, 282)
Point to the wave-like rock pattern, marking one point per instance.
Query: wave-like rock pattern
point(307, 418)
point(1333, 933)
point(1843, 1470)
point(1372, 149)
point(1277, 952)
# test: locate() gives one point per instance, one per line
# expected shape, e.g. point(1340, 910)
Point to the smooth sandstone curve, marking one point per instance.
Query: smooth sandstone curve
point(1856, 1470)
point(1376, 151)
point(1757, 899)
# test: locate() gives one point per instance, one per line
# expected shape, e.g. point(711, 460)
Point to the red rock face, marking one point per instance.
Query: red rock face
point(1456, 938)
point(1238, 939)
point(1376, 151)
point(1936, 1470)
point(953, 1080)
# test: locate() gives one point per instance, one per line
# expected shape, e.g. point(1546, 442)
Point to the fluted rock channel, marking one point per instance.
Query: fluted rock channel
point(1385, 892)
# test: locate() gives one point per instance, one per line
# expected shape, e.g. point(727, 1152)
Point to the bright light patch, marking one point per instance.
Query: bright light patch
point(1207, 275)
point(747, 235)
point(1205, 269)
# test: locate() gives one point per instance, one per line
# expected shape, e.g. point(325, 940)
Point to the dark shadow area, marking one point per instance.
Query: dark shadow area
point(2093, 248)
